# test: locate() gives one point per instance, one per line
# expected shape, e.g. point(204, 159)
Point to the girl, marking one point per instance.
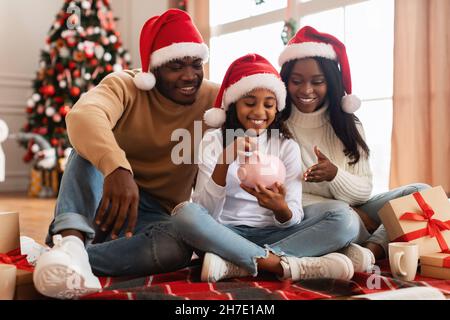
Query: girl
point(244, 230)
point(335, 155)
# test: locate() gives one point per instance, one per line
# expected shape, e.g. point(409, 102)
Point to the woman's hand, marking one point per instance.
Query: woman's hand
point(323, 170)
point(273, 200)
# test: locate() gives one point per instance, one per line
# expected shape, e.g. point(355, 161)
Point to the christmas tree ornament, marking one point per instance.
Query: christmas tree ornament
point(107, 57)
point(57, 117)
point(75, 91)
point(64, 110)
point(86, 4)
point(35, 148)
point(50, 111)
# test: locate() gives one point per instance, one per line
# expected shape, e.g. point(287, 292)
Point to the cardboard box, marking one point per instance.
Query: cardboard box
point(435, 265)
point(9, 231)
point(10, 240)
point(416, 231)
point(25, 289)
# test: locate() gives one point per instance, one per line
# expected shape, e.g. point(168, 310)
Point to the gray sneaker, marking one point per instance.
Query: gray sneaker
point(215, 269)
point(332, 266)
point(362, 258)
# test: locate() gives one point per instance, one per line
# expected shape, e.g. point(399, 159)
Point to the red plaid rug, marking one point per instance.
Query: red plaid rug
point(185, 284)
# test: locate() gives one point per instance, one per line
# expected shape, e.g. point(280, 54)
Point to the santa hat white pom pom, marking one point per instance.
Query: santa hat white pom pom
point(350, 103)
point(144, 80)
point(215, 117)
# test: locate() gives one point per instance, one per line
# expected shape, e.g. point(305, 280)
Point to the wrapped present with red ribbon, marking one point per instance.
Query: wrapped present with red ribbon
point(10, 254)
point(435, 265)
point(9, 231)
point(422, 218)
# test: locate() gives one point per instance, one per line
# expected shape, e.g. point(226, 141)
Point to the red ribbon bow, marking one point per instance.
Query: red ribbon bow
point(16, 258)
point(434, 226)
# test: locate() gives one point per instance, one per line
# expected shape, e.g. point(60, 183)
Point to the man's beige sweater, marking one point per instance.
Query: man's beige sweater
point(117, 125)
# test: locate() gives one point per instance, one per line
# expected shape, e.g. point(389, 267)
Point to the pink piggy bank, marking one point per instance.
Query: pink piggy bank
point(263, 169)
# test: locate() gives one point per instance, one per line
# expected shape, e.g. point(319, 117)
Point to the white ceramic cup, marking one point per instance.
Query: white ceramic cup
point(7, 281)
point(403, 259)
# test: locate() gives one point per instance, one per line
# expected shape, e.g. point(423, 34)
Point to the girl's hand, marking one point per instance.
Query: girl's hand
point(273, 200)
point(238, 148)
point(324, 170)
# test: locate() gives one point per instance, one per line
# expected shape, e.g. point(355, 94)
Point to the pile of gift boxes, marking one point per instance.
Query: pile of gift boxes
point(11, 258)
point(422, 218)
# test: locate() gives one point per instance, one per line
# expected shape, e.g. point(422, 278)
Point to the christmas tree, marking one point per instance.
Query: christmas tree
point(81, 48)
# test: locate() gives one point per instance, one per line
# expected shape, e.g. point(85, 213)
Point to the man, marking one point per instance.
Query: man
point(121, 180)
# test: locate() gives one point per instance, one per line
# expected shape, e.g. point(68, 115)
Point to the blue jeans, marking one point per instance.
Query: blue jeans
point(319, 233)
point(374, 205)
point(155, 246)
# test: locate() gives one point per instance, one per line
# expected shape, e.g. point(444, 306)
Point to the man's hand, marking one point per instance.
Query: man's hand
point(121, 196)
point(323, 170)
point(273, 200)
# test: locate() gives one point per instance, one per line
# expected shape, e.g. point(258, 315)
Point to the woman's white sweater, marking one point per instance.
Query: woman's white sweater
point(353, 183)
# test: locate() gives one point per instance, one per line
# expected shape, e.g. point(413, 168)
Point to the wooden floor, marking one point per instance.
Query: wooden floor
point(35, 214)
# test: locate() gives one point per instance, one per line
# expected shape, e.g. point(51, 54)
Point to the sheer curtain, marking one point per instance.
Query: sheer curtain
point(421, 118)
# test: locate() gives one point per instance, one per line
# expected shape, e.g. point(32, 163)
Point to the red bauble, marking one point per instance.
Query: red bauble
point(75, 91)
point(93, 62)
point(43, 131)
point(44, 121)
point(47, 90)
point(64, 110)
point(54, 142)
point(108, 68)
point(71, 41)
point(72, 65)
point(58, 100)
point(50, 72)
point(29, 110)
point(76, 73)
point(59, 67)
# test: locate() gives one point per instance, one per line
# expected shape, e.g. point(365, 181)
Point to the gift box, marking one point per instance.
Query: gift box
point(435, 265)
point(25, 289)
point(9, 231)
point(422, 218)
point(10, 254)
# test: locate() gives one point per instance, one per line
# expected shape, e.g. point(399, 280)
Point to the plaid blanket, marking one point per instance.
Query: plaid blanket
point(185, 284)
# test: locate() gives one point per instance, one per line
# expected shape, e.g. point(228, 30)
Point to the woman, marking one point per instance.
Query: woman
point(335, 156)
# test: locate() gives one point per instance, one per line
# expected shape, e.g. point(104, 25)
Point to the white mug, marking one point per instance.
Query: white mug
point(8, 274)
point(403, 259)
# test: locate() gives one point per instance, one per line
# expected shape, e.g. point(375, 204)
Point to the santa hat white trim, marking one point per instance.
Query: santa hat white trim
point(261, 80)
point(179, 50)
point(305, 50)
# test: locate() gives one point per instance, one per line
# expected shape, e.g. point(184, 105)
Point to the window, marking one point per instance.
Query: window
point(367, 29)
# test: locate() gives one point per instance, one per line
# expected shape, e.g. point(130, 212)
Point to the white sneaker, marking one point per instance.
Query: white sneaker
point(333, 266)
point(215, 269)
point(64, 272)
point(362, 258)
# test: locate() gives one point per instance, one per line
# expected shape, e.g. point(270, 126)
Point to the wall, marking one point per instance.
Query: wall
point(24, 26)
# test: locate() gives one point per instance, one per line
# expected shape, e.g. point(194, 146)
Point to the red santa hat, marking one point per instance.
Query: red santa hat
point(249, 72)
point(164, 38)
point(307, 43)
